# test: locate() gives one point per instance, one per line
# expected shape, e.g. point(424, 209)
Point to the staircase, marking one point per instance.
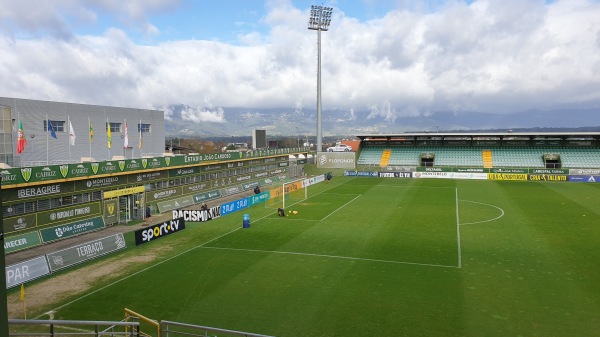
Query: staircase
point(487, 158)
point(385, 157)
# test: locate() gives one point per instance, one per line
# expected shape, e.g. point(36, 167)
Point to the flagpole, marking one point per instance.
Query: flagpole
point(22, 298)
point(47, 132)
point(140, 141)
point(124, 139)
point(20, 155)
point(69, 138)
point(108, 128)
point(90, 135)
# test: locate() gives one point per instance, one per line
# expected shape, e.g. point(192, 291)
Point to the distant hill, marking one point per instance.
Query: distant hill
point(186, 121)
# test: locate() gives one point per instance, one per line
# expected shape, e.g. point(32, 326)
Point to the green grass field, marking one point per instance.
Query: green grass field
point(380, 257)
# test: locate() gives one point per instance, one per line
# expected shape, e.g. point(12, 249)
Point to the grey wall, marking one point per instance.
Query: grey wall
point(33, 113)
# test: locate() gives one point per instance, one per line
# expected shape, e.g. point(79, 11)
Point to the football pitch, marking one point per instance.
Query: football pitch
point(378, 257)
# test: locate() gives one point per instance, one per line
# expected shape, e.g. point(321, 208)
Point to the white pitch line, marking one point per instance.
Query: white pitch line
point(143, 270)
point(330, 214)
point(458, 230)
point(412, 186)
point(483, 221)
point(158, 264)
point(329, 256)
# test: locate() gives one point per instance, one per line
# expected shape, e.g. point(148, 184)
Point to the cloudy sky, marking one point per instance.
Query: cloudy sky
point(396, 57)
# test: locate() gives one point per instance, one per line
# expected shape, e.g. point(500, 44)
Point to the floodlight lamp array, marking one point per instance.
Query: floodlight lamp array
point(320, 17)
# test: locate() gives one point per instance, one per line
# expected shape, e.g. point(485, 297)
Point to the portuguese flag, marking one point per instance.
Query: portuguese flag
point(21, 141)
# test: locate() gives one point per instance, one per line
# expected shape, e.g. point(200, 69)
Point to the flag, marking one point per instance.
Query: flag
point(91, 132)
point(51, 130)
point(71, 134)
point(140, 138)
point(126, 139)
point(108, 135)
point(21, 141)
point(22, 295)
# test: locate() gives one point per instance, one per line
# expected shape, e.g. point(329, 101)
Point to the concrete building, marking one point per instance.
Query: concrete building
point(40, 118)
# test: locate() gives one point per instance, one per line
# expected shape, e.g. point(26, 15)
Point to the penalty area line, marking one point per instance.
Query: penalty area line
point(330, 256)
point(344, 205)
point(141, 271)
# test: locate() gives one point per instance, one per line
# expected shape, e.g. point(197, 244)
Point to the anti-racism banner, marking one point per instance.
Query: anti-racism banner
point(345, 160)
point(22, 241)
point(86, 251)
point(26, 271)
point(198, 215)
point(158, 231)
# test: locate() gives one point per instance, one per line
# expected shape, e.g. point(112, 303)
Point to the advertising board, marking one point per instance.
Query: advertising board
point(361, 174)
point(18, 223)
point(71, 256)
point(584, 179)
point(158, 231)
point(21, 241)
point(547, 177)
point(507, 176)
point(197, 215)
point(70, 229)
point(344, 160)
point(451, 175)
point(395, 174)
point(26, 271)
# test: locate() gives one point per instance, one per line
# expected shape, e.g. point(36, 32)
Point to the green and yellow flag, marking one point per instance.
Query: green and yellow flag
point(108, 135)
point(91, 132)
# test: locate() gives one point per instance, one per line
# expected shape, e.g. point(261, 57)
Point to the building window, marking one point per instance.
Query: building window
point(57, 126)
point(143, 127)
point(114, 127)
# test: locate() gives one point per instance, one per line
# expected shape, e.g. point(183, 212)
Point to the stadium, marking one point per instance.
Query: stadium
point(445, 234)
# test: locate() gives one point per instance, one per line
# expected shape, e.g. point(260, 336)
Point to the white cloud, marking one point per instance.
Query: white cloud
point(490, 55)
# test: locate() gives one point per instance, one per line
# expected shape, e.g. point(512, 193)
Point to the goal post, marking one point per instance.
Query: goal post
point(288, 193)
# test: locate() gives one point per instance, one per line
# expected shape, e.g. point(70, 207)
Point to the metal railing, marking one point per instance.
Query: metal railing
point(168, 329)
point(56, 328)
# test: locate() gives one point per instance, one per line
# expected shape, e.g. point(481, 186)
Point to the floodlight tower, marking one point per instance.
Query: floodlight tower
point(320, 19)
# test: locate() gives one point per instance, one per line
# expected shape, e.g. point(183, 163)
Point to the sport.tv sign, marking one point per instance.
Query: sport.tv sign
point(344, 160)
point(159, 230)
